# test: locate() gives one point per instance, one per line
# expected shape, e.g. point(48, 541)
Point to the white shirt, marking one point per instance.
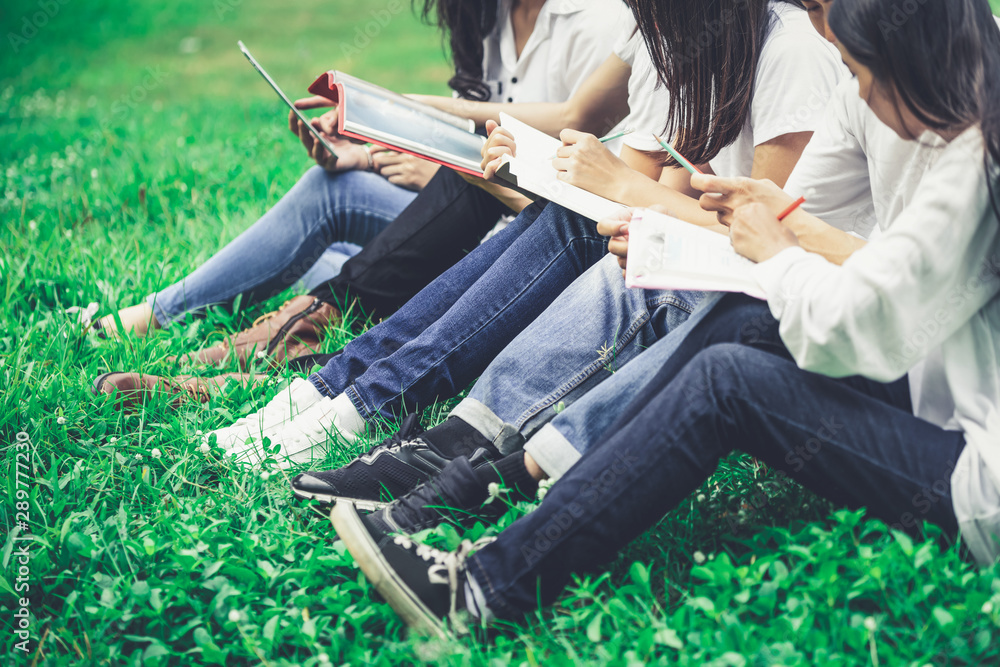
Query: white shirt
point(796, 74)
point(647, 102)
point(856, 172)
point(571, 38)
point(925, 295)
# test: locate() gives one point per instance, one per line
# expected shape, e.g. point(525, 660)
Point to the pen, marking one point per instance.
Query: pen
point(791, 209)
point(610, 137)
point(681, 160)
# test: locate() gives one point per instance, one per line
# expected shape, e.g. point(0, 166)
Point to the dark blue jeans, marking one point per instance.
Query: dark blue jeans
point(446, 335)
point(730, 385)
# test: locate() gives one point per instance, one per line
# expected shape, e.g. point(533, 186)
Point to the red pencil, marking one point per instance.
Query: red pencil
point(791, 209)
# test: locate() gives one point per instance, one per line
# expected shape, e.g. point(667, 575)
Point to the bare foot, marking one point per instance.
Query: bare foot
point(138, 320)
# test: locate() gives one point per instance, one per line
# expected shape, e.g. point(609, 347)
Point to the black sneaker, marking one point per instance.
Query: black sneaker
point(455, 495)
point(423, 585)
point(389, 470)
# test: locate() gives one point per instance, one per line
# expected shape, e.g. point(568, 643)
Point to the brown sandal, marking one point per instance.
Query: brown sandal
point(133, 389)
point(295, 329)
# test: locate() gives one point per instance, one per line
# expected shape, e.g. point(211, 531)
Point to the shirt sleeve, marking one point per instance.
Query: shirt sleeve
point(797, 73)
point(629, 40)
point(900, 297)
point(587, 44)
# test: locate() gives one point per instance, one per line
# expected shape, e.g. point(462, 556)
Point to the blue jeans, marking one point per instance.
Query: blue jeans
point(585, 339)
point(446, 335)
point(731, 385)
point(322, 209)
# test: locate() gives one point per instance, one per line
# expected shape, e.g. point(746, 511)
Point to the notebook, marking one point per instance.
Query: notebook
point(373, 114)
point(667, 253)
point(532, 173)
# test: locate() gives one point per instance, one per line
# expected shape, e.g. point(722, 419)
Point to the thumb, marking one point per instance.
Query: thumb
point(314, 102)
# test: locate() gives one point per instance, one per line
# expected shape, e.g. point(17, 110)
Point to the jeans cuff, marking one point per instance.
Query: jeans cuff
point(494, 600)
point(552, 451)
point(321, 386)
point(504, 436)
point(359, 405)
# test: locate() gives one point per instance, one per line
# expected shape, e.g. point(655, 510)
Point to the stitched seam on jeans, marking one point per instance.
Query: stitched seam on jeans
point(671, 300)
point(459, 344)
point(480, 570)
point(326, 391)
point(626, 339)
point(359, 405)
point(582, 376)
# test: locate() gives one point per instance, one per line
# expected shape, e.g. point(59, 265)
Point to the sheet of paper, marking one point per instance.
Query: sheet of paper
point(531, 170)
point(667, 253)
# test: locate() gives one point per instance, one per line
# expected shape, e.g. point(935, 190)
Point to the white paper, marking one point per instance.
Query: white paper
point(667, 253)
point(532, 170)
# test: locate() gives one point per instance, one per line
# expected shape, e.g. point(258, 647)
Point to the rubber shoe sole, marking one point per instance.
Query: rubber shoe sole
point(397, 594)
point(327, 499)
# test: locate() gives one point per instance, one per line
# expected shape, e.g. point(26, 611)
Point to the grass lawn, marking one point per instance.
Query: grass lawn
point(134, 142)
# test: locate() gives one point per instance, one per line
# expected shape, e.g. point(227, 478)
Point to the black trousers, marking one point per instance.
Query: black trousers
point(447, 219)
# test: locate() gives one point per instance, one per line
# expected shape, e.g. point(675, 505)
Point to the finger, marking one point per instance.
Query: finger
point(562, 164)
point(305, 136)
point(612, 227)
point(490, 126)
point(392, 170)
point(566, 151)
point(314, 102)
point(710, 183)
point(490, 169)
point(293, 122)
point(383, 149)
point(725, 218)
point(496, 154)
point(623, 263)
point(570, 137)
point(382, 160)
point(714, 202)
point(328, 122)
point(502, 140)
point(618, 247)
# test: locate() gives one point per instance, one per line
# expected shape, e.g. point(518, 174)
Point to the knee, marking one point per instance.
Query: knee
point(719, 372)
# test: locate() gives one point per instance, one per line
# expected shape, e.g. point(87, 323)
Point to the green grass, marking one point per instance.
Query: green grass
point(142, 560)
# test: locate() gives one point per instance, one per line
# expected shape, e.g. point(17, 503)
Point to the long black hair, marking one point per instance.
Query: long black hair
point(465, 24)
point(705, 53)
point(940, 57)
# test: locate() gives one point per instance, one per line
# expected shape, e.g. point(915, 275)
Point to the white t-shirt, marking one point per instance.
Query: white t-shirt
point(856, 172)
point(647, 102)
point(571, 38)
point(796, 74)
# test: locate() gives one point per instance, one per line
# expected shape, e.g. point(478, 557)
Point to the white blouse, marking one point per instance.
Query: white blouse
point(570, 40)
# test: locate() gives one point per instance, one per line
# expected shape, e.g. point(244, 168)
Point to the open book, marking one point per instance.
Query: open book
point(667, 253)
point(374, 114)
point(532, 173)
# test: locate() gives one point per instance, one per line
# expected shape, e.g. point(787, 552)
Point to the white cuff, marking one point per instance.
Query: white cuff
point(771, 273)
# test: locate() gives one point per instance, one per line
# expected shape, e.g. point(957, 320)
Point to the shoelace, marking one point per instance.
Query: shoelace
point(453, 563)
point(406, 436)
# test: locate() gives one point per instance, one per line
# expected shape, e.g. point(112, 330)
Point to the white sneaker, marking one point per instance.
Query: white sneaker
point(299, 396)
point(305, 436)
